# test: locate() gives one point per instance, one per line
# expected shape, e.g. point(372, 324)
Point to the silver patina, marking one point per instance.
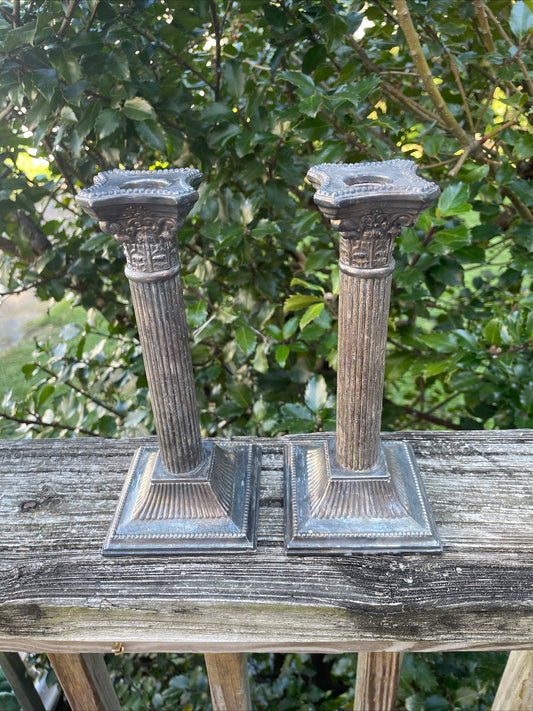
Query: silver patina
point(352, 493)
point(185, 496)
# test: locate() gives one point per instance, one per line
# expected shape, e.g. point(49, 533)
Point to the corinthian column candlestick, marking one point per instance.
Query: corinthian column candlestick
point(354, 493)
point(186, 496)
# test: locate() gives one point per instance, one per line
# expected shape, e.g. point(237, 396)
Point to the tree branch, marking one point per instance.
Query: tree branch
point(38, 422)
point(216, 30)
point(9, 247)
point(78, 390)
point(38, 240)
point(176, 57)
point(68, 18)
point(486, 34)
point(16, 13)
point(406, 23)
point(510, 44)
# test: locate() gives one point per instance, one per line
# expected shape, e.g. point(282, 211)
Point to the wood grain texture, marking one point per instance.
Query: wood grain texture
point(515, 692)
point(376, 681)
point(85, 681)
point(58, 594)
point(229, 682)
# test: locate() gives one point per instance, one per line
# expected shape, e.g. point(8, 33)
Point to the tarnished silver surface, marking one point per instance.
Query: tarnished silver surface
point(187, 496)
point(329, 490)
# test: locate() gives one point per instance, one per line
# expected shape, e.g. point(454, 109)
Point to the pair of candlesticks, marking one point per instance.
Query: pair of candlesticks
point(343, 495)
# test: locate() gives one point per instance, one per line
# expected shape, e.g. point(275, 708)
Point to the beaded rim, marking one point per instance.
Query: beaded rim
point(181, 182)
point(397, 177)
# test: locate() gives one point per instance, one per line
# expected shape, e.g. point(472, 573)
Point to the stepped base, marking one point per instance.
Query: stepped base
point(212, 509)
point(335, 511)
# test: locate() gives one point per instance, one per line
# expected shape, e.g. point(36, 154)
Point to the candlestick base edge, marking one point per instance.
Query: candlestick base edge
point(333, 511)
point(213, 509)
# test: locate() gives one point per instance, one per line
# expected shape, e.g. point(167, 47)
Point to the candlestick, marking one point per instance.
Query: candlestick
point(354, 493)
point(186, 496)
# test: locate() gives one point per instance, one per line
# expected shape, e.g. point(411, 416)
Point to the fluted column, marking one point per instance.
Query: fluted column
point(369, 204)
point(143, 210)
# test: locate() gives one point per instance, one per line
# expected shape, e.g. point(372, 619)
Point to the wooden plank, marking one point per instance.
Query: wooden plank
point(85, 681)
point(57, 499)
point(229, 681)
point(376, 680)
point(21, 684)
point(515, 692)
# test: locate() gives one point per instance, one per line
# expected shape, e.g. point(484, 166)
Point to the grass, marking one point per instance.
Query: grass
point(45, 326)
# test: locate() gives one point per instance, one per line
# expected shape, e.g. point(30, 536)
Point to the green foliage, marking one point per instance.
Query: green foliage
point(8, 701)
point(310, 682)
point(253, 95)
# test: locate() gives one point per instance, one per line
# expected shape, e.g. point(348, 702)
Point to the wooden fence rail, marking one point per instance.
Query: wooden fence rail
point(60, 596)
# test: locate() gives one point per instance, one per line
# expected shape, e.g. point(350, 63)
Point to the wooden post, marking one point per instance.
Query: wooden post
point(515, 692)
point(85, 680)
point(376, 681)
point(17, 676)
point(229, 682)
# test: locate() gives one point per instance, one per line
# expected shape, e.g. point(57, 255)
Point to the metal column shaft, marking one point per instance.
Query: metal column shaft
point(164, 337)
point(363, 318)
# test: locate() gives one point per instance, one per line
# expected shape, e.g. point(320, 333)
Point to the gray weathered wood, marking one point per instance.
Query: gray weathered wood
point(515, 692)
point(58, 594)
point(376, 681)
point(229, 682)
point(85, 680)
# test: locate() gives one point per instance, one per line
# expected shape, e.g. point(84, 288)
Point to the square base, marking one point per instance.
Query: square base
point(340, 512)
point(212, 509)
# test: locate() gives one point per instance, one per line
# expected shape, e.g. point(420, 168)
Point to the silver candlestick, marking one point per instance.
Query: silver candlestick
point(187, 496)
point(354, 493)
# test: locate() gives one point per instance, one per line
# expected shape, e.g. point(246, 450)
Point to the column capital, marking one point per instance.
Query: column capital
point(370, 204)
point(143, 209)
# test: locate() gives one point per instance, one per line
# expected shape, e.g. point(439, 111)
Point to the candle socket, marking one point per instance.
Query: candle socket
point(352, 493)
point(185, 496)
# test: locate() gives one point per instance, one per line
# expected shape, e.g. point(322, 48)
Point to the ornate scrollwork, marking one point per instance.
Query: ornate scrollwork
point(367, 241)
point(148, 241)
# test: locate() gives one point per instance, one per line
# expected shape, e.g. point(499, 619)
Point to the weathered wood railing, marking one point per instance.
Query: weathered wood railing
point(60, 596)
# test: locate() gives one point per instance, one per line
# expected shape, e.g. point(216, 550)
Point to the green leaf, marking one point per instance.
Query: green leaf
point(290, 327)
point(138, 109)
point(493, 331)
point(152, 133)
point(307, 284)
point(313, 58)
point(281, 354)
point(300, 301)
point(233, 75)
point(467, 339)
point(20, 36)
point(107, 123)
point(316, 393)
point(440, 342)
point(454, 200)
point(310, 105)
point(311, 314)
point(297, 418)
point(521, 19)
point(357, 92)
point(241, 393)
point(197, 314)
point(246, 339)
point(45, 82)
point(305, 86)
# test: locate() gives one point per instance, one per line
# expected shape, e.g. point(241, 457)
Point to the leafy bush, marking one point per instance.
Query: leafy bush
point(253, 95)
